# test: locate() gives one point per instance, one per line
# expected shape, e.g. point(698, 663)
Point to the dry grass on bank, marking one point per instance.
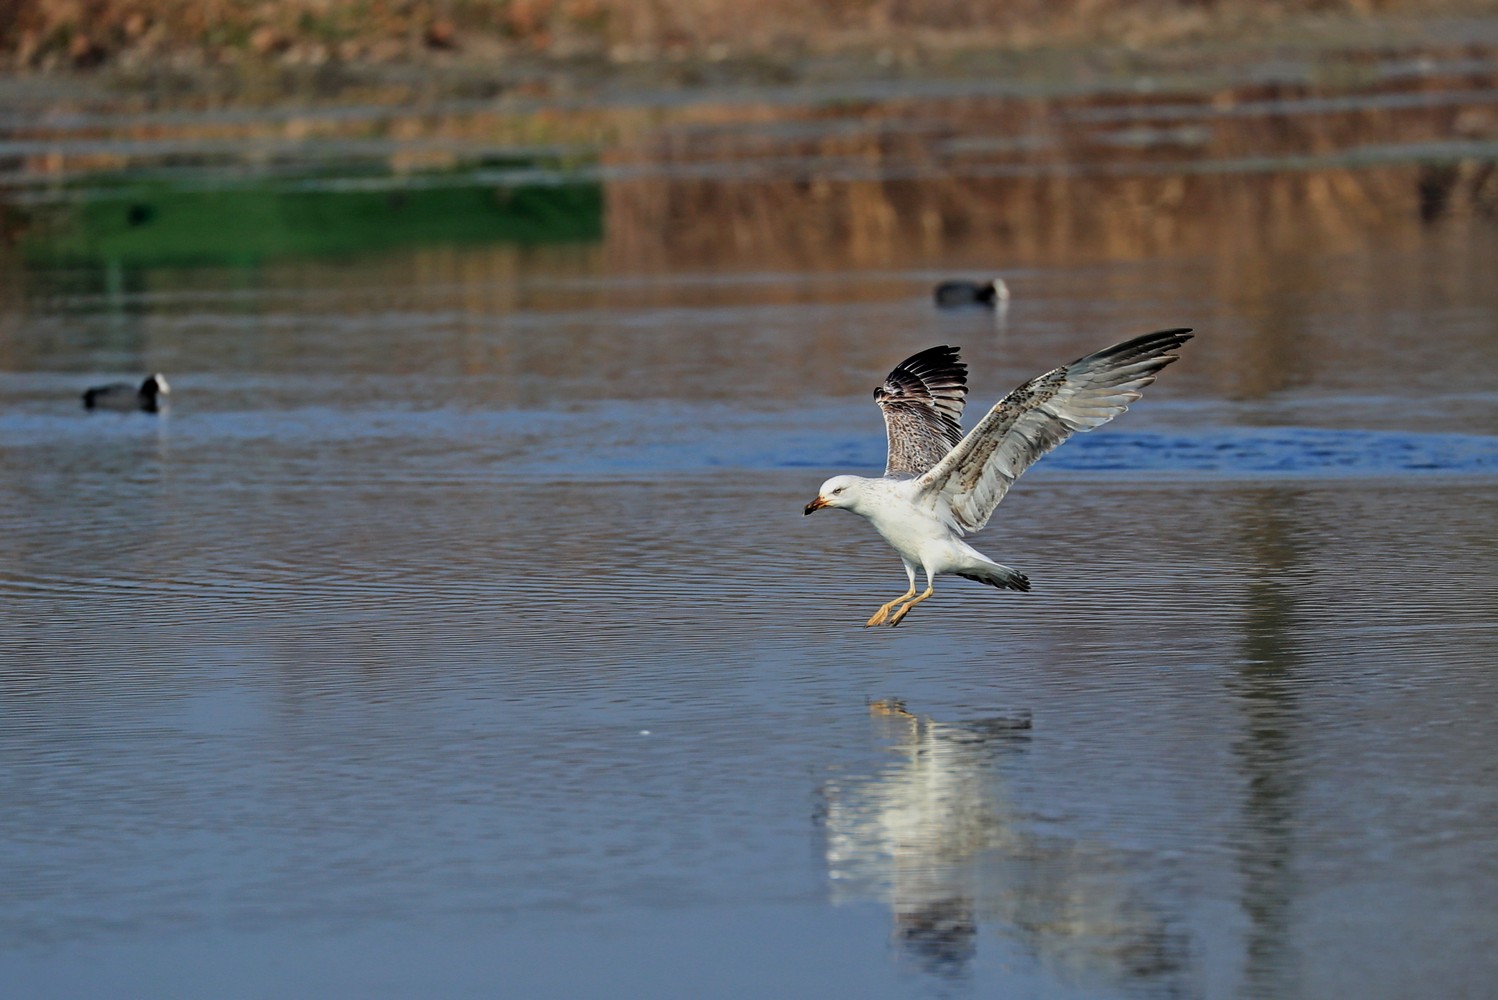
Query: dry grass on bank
point(55, 35)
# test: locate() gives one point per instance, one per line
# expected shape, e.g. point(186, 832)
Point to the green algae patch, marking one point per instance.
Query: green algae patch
point(159, 224)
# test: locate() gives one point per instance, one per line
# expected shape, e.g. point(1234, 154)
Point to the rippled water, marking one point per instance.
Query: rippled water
point(458, 632)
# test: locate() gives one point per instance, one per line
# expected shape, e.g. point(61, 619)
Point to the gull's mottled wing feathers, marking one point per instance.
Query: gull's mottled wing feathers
point(922, 400)
point(974, 476)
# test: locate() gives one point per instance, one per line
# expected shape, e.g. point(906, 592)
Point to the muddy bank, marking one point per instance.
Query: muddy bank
point(262, 52)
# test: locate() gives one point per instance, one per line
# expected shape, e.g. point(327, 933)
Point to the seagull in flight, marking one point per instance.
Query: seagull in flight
point(939, 485)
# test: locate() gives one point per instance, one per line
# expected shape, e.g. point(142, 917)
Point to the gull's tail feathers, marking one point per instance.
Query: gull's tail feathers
point(995, 575)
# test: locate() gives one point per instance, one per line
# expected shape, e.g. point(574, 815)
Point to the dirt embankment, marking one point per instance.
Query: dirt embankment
point(183, 35)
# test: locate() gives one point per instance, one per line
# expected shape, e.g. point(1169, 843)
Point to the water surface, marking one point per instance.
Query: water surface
point(458, 632)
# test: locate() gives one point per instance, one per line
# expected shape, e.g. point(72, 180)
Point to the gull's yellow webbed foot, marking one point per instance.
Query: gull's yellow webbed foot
point(884, 609)
point(905, 610)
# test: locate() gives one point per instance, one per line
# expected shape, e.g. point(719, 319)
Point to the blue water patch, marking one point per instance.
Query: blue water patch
point(1282, 450)
point(1226, 451)
point(630, 438)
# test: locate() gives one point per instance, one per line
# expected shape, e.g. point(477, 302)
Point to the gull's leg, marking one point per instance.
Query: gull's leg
point(905, 608)
point(884, 609)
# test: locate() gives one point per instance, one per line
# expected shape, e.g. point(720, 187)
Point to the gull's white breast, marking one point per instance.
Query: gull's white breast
point(914, 532)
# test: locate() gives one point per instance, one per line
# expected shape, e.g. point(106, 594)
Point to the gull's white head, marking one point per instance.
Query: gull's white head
point(839, 491)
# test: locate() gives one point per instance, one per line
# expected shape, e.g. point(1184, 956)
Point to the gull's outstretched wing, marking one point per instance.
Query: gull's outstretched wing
point(922, 400)
point(974, 476)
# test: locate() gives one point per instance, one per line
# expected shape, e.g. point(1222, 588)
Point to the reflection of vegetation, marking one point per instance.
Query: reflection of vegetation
point(1269, 749)
point(160, 225)
point(1073, 175)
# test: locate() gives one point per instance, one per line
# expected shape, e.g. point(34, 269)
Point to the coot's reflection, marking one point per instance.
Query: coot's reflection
point(935, 838)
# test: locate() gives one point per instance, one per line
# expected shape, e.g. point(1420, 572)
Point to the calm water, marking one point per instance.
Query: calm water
point(458, 633)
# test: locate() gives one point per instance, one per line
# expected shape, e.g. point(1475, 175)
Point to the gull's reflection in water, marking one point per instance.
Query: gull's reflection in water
point(934, 837)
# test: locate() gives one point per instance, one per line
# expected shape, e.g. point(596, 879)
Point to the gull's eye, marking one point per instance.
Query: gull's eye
point(838, 490)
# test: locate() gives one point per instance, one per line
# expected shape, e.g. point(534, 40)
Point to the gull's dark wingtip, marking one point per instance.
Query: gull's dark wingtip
point(943, 356)
point(1169, 339)
point(1175, 337)
point(1152, 346)
point(1159, 339)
